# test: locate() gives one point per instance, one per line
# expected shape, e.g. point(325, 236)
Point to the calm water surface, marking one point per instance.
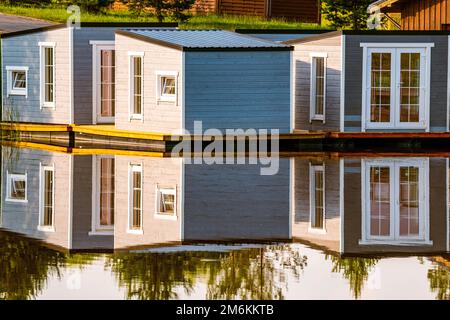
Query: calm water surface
point(122, 227)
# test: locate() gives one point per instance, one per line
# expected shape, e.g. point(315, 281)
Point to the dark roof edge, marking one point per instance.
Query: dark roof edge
point(396, 32)
point(92, 25)
point(149, 40)
point(181, 48)
point(313, 38)
point(282, 31)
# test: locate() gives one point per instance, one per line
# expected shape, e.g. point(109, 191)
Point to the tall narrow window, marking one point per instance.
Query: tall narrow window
point(396, 207)
point(135, 196)
point(47, 199)
point(317, 197)
point(136, 83)
point(47, 75)
point(318, 87)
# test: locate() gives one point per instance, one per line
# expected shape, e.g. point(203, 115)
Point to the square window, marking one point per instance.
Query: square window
point(17, 187)
point(167, 86)
point(17, 80)
point(166, 203)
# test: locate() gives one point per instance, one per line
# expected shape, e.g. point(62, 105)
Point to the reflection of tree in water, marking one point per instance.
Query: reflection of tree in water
point(439, 279)
point(247, 274)
point(355, 269)
point(25, 266)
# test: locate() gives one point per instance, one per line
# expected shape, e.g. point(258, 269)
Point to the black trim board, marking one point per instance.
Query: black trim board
point(282, 31)
point(196, 49)
point(93, 25)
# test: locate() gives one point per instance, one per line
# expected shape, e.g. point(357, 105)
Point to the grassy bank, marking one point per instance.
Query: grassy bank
point(197, 22)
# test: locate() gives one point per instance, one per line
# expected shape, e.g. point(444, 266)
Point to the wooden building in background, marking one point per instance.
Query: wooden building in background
point(417, 14)
point(299, 10)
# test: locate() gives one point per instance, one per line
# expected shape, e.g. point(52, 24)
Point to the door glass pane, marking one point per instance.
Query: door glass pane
point(409, 201)
point(380, 202)
point(380, 95)
point(409, 87)
point(107, 83)
point(106, 192)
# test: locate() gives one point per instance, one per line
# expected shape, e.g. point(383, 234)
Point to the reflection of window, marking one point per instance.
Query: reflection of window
point(317, 197)
point(318, 86)
point(17, 80)
point(47, 199)
point(16, 189)
point(104, 186)
point(396, 208)
point(166, 203)
point(135, 196)
point(396, 86)
point(167, 89)
point(47, 74)
point(136, 85)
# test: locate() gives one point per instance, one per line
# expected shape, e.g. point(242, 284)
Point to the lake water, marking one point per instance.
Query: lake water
point(137, 227)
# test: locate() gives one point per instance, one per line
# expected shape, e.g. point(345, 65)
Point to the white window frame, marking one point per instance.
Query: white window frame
point(396, 49)
point(158, 213)
point(312, 98)
point(132, 115)
point(96, 228)
point(42, 47)
point(98, 45)
point(16, 176)
point(11, 91)
point(164, 97)
point(42, 169)
point(135, 167)
point(394, 238)
point(312, 198)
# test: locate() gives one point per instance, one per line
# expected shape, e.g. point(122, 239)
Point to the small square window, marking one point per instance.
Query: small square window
point(166, 203)
point(167, 87)
point(16, 187)
point(17, 80)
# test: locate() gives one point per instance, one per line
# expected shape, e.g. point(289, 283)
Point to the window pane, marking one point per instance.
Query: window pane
point(409, 201)
point(17, 189)
point(167, 203)
point(380, 96)
point(107, 191)
point(19, 80)
point(107, 83)
point(319, 64)
point(137, 85)
point(318, 198)
point(168, 85)
point(48, 198)
point(48, 75)
point(136, 200)
point(380, 210)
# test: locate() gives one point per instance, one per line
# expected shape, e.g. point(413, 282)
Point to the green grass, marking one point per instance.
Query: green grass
point(196, 22)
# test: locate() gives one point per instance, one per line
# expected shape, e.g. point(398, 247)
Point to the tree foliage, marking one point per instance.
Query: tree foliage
point(93, 6)
point(347, 14)
point(178, 10)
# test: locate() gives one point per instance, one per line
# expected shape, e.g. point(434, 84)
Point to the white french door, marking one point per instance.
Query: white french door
point(396, 88)
point(104, 83)
point(396, 201)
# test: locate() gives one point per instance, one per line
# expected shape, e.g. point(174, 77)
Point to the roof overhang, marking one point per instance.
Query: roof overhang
point(385, 5)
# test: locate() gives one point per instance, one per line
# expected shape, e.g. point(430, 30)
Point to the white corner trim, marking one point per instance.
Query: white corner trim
point(396, 45)
point(342, 89)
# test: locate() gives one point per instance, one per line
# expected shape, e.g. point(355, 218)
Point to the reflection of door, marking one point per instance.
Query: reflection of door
point(396, 88)
point(104, 83)
point(396, 201)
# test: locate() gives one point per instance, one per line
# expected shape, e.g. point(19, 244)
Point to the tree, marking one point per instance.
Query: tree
point(93, 6)
point(176, 9)
point(347, 14)
point(179, 9)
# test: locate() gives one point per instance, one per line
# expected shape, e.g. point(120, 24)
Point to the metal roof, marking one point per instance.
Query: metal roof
point(199, 40)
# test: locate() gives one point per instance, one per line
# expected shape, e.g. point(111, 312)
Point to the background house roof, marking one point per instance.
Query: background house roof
point(202, 40)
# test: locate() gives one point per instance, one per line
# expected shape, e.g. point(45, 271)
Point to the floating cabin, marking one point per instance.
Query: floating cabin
point(372, 81)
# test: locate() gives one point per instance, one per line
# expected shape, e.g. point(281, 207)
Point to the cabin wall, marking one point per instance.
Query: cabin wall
point(236, 202)
point(163, 117)
point(301, 217)
point(438, 189)
point(299, 10)
point(23, 51)
point(354, 73)
point(83, 69)
point(302, 88)
point(425, 15)
point(165, 173)
point(238, 90)
point(23, 217)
